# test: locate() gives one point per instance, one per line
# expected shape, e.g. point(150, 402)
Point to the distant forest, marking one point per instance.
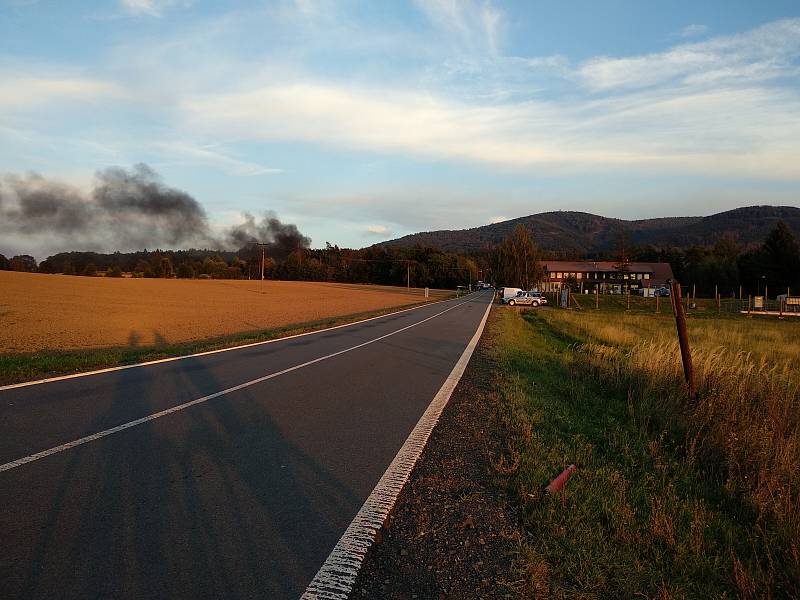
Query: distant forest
point(418, 267)
point(775, 263)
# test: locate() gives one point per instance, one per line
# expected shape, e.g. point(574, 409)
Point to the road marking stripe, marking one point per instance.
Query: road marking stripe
point(207, 352)
point(337, 575)
point(101, 434)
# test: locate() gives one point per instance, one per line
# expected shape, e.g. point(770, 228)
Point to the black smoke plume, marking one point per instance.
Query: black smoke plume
point(126, 210)
point(280, 239)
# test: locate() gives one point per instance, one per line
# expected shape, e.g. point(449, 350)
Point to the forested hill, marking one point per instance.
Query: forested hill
point(585, 234)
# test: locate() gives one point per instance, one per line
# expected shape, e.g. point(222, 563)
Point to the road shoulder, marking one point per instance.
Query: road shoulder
point(453, 532)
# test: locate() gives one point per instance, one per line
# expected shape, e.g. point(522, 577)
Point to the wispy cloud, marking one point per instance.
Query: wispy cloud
point(472, 22)
point(733, 131)
point(693, 30)
point(763, 53)
point(29, 92)
point(153, 8)
point(209, 155)
point(378, 230)
point(727, 106)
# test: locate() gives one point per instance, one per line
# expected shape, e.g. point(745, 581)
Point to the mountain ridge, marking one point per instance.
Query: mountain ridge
point(579, 233)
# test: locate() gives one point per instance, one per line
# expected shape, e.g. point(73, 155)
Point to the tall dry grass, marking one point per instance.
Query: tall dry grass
point(744, 427)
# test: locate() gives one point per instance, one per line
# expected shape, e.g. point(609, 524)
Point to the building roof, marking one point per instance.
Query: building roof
point(659, 272)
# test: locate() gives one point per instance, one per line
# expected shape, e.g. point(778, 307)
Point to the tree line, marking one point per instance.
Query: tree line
point(727, 265)
point(724, 266)
point(417, 267)
point(516, 261)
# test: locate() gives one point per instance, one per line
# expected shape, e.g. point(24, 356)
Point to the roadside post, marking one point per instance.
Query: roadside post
point(263, 260)
point(683, 339)
point(596, 298)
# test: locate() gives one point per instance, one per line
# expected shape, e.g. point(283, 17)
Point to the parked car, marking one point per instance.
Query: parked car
point(528, 299)
point(662, 291)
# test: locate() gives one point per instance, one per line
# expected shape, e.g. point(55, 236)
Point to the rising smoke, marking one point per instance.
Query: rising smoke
point(126, 210)
point(282, 239)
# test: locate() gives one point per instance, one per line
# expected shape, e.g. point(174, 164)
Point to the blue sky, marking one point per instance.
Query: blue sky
point(362, 121)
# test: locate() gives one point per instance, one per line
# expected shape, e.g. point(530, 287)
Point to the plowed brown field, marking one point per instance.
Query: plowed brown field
point(58, 312)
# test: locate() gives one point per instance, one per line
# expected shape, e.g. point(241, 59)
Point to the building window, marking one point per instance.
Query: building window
point(579, 275)
point(647, 275)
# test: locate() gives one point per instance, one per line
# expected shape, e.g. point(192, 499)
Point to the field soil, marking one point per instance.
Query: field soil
point(57, 312)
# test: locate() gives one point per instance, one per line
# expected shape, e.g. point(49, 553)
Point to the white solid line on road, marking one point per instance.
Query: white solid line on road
point(13, 386)
point(337, 575)
point(101, 434)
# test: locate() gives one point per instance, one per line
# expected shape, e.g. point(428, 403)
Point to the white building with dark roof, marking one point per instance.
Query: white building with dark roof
point(609, 277)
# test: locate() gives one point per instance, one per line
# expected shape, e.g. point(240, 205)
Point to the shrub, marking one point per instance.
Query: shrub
point(185, 271)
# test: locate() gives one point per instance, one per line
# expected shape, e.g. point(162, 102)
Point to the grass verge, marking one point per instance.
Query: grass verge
point(16, 368)
point(670, 500)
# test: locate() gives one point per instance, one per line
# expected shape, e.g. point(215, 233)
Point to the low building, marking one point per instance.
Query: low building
point(609, 277)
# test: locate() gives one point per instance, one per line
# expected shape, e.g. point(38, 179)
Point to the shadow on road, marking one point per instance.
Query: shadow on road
point(209, 502)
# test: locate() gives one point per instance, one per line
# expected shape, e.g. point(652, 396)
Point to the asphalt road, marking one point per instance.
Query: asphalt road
point(242, 495)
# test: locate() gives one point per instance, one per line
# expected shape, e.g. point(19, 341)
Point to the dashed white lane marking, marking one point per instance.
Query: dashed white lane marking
point(335, 579)
point(101, 434)
point(13, 386)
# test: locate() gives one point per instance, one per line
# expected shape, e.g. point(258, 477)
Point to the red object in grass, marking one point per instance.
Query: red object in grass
point(558, 483)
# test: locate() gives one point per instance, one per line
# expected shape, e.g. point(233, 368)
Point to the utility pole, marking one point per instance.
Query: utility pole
point(263, 252)
point(408, 274)
point(263, 261)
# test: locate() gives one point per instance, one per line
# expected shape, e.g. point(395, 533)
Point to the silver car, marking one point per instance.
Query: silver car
point(528, 299)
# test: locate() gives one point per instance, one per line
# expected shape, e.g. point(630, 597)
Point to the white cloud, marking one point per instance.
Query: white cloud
point(378, 230)
point(760, 54)
point(718, 107)
point(693, 30)
point(734, 131)
point(29, 92)
point(184, 153)
point(473, 22)
point(153, 8)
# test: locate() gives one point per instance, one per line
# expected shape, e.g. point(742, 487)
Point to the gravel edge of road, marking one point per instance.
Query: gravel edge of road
point(454, 532)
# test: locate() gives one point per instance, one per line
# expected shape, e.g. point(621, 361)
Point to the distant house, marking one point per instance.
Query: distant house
point(609, 277)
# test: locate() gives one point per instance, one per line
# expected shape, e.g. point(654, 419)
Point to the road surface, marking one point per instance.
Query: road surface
point(230, 474)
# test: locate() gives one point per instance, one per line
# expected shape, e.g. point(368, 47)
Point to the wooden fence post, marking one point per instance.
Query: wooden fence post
point(683, 340)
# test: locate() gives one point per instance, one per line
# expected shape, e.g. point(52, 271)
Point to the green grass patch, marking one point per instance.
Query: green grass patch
point(650, 511)
point(15, 368)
